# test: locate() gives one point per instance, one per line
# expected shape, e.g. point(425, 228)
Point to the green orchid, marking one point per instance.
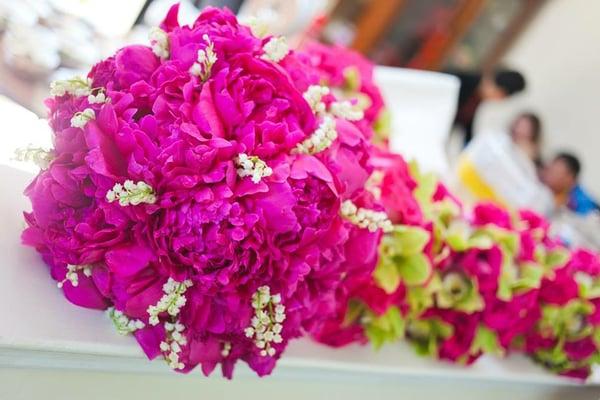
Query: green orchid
point(486, 341)
point(566, 321)
point(381, 329)
point(401, 258)
point(426, 334)
point(460, 293)
point(589, 287)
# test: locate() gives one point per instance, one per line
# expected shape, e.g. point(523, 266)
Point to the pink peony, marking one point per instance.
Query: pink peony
point(179, 128)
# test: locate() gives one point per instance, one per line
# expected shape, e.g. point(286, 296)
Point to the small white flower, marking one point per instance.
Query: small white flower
point(77, 86)
point(72, 274)
point(205, 60)
point(275, 49)
point(80, 119)
point(347, 110)
point(266, 324)
point(131, 193)
point(259, 25)
point(98, 98)
point(40, 157)
point(159, 40)
point(321, 139)
point(122, 323)
point(365, 218)
point(252, 166)
point(314, 95)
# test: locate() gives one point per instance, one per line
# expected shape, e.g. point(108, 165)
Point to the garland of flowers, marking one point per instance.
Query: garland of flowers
point(218, 195)
point(459, 284)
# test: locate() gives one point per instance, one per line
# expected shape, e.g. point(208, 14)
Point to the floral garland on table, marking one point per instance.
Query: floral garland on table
point(458, 285)
point(194, 191)
point(218, 195)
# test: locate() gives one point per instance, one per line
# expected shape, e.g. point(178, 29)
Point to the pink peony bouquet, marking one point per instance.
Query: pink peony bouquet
point(208, 193)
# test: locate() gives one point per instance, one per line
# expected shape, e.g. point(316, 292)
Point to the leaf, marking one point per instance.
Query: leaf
point(556, 258)
point(419, 299)
point(486, 341)
point(505, 238)
point(457, 241)
point(353, 313)
point(387, 275)
point(530, 276)
point(408, 240)
point(415, 269)
point(483, 242)
point(388, 327)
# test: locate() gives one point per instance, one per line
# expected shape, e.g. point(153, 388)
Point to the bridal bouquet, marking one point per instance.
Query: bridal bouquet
point(205, 192)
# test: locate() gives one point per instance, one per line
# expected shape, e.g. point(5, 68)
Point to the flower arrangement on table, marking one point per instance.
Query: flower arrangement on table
point(460, 284)
point(217, 193)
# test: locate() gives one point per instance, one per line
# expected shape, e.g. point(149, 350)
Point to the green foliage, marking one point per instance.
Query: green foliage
point(486, 341)
point(402, 259)
point(388, 327)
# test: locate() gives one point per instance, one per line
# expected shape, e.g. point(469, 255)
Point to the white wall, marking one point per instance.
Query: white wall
point(560, 55)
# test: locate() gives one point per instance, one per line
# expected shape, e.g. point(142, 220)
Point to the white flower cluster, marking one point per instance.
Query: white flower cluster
point(72, 274)
point(130, 193)
point(252, 166)
point(76, 86)
point(345, 109)
point(365, 218)
point(123, 324)
point(81, 118)
point(226, 349)
point(373, 184)
point(205, 61)
point(37, 155)
point(314, 95)
point(321, 138)
point(98, 98)
point(266, 327)
point(259, 26)
point(171, 346)
point(171, 302)
point(276, 49)
point(159, 40)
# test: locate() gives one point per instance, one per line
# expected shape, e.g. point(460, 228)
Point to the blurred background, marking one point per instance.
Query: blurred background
point(520, 92)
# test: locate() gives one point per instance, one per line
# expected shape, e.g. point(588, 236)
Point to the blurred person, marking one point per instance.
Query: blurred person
point(476, 88)
point(561, 176)
point(526, 133)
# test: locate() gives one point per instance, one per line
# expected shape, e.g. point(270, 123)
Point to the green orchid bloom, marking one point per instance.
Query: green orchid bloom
point(381, 329)
point(460, 293)
point(401, 258)
point(426, 334)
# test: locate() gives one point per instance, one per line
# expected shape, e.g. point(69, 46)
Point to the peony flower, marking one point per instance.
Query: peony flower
point(186, 204)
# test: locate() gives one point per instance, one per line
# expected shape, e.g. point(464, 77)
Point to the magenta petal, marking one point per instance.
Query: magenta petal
point(85, 294)
point(128, 260)
point(149, 339)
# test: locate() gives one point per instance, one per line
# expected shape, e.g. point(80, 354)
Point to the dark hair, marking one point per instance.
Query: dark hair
point(571, 161)
point(509, 81)
point(536, 124)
